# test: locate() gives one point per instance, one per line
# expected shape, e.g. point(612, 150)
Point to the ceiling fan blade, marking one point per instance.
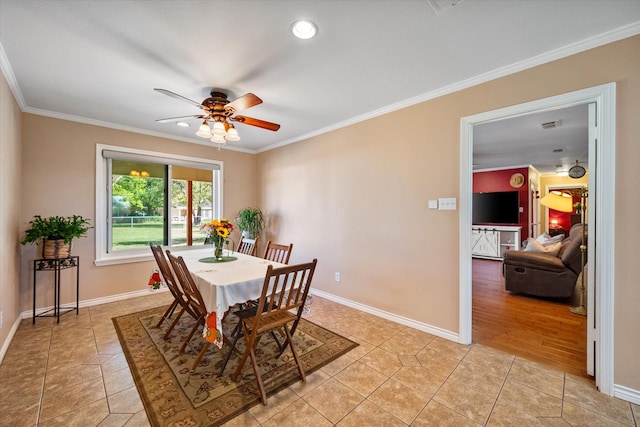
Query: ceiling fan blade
point(177, 119)
point(175, 95)
point(255, 122)
point(245, 101)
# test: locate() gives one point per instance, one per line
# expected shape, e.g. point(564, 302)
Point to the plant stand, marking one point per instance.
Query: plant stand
point(56, 265)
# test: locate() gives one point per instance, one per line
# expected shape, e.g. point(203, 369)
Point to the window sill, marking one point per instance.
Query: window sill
point(122, 259)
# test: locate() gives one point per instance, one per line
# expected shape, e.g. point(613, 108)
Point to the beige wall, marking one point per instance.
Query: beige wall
point(356, 198)
point(59, 179)
point(10, 194)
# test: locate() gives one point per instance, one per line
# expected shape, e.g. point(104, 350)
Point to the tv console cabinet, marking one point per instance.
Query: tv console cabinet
point(490, 241)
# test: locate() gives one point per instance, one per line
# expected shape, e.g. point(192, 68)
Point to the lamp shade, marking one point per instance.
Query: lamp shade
point(218, 129)
point(232, 134)
point(204, 131)
point(218, 139)
point(562, 202)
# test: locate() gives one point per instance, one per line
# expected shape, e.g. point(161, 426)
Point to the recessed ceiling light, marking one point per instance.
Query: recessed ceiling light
point(183, 124)
point(304, 29)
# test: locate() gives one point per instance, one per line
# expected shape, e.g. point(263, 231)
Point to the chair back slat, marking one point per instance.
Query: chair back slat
point(247, 246)
point(165, 271)
point(284, 289)
point(194, 297)
point(277, 252)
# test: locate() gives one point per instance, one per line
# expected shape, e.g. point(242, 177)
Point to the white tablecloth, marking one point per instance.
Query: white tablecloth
point(224, 284)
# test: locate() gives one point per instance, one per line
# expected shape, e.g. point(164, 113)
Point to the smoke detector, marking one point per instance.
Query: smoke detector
point(441, 6)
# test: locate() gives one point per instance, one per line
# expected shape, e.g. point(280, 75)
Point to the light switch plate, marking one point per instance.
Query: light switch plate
point(447, 204)
point(433, 204)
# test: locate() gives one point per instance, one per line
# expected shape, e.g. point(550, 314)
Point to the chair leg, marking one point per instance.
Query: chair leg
point(173, 324)
point(237, 332)
point(295, 354)
point(256, 372)
point(167, 313)
point(193, 331)
point(282, 347)
point(201, 355)
point(250, 342)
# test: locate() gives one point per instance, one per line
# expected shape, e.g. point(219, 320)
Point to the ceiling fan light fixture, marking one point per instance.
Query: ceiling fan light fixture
point(218, 129)
point(218, 139)
point(232, 134)
point(204, 131)
point(304, 29)
point(218, 110)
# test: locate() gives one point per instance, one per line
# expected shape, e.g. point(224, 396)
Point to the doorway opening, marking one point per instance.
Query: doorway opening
point(601, 217)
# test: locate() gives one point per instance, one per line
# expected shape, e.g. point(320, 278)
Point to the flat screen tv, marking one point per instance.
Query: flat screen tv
point(496, 208)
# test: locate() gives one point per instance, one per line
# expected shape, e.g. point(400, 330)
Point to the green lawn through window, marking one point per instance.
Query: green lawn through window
point(127, 236)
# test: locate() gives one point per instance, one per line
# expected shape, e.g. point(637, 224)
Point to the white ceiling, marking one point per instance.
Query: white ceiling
point(98, 61)
point(522, 141)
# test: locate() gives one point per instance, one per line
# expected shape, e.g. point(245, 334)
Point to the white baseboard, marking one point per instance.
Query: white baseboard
point(97, 301)
point(7, 342)
point(434, 330)
point(626, 393)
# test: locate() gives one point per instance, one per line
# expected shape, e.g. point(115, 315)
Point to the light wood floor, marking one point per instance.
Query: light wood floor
point(538, 329)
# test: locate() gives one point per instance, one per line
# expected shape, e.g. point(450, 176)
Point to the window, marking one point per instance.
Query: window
point(146, 197)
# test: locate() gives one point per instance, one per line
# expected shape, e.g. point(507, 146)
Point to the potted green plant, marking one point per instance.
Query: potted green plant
point(578, 207)
point(56, 234)
point(251, 222)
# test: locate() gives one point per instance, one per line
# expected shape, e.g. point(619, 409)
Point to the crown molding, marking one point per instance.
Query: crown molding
point(568, 50)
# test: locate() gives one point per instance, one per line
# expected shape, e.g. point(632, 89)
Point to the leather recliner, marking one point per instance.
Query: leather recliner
point(543, 274)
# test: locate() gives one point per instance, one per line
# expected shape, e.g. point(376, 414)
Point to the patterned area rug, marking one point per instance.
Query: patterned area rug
point(174, 395)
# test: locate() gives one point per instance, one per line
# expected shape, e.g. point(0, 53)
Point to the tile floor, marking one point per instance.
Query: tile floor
point(75, 374)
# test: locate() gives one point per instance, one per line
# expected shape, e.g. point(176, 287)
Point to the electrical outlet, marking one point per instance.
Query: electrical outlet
point(337, 276)
point(1, 319)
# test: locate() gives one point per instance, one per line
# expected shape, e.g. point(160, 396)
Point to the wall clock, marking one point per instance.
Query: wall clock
point(516, 180)
point(576, 171)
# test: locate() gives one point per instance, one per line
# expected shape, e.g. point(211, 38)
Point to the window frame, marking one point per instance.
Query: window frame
point(103, 180)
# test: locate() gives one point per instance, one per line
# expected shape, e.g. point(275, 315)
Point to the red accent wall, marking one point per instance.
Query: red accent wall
point(499, 181)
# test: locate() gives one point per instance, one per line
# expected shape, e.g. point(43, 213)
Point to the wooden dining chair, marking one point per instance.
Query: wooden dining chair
point(195, 301)
point(247, 246)
point(283, 292)
point(179, 298)
point(277, 252)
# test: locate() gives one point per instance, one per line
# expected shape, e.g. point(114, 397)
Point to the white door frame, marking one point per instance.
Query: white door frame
point(601, 214)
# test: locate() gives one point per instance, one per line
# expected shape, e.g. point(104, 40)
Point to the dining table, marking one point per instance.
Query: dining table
point(236, 278)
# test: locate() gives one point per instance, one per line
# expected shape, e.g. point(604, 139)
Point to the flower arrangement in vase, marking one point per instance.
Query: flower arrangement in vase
point(217, 232)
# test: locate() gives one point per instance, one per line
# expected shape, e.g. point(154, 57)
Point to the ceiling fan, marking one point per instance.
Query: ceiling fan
point(219, 111)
